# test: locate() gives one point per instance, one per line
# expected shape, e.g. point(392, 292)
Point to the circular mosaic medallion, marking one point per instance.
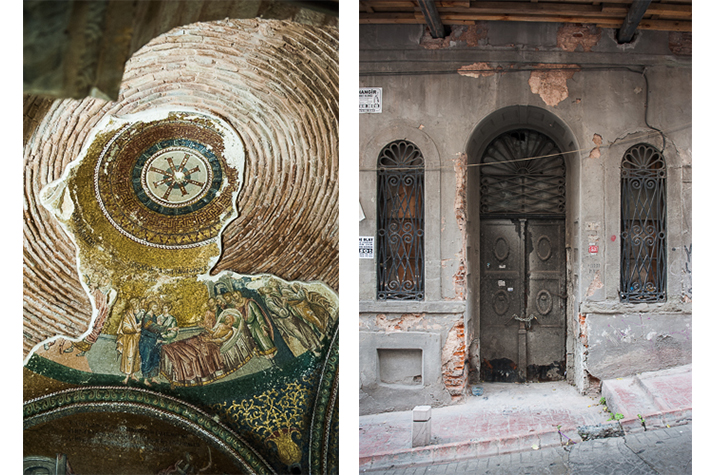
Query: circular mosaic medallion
point(165, 183)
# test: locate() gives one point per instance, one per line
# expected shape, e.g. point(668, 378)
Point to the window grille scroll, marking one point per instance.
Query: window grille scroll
point(643, 225)
point(400, 222)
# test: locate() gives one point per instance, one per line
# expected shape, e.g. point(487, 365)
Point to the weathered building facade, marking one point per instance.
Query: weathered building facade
point(528, 188)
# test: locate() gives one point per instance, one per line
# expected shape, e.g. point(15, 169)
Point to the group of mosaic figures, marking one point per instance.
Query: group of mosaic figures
point(235, 328)
point(140, 336)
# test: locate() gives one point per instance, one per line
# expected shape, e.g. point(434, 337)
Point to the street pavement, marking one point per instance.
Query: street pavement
point(531, 423)
point(661, 451)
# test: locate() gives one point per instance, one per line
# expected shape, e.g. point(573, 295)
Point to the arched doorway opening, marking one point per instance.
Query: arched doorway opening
point(521, 162)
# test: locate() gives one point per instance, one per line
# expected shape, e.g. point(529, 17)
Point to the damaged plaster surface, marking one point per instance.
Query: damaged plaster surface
point(596, 284)
point(461, 36)
point(572, 36)
point(408, 321)
point(460, 164)
point(477, 70)
point(595, 153)
point(620, 345)
point(549, 81)
point(680, 43)
point(388, 350)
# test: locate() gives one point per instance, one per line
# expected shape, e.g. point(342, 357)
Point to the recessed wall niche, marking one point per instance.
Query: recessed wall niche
point(400, 366)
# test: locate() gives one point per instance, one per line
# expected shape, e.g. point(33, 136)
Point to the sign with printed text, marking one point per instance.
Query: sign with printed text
point(370, 100)
point(367, 247)
point(593, 249)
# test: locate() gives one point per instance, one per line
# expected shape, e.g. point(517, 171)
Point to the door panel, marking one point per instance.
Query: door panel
point(502, 261)
point(522, 275)
point(546, 300)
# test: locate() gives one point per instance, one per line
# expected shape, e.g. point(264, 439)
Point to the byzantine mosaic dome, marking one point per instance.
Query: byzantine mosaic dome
point(223, 143)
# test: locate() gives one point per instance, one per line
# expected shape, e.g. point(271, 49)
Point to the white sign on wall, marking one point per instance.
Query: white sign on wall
point(367, 247)
point(370, 100)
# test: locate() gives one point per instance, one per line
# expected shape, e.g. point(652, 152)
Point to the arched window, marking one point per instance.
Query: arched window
point(400, 222)
point(643, 225)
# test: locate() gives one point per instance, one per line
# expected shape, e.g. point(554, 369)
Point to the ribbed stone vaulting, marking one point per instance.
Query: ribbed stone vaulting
point(275, 84)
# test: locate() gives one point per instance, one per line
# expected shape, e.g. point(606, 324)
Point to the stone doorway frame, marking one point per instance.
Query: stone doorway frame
point(494, 124)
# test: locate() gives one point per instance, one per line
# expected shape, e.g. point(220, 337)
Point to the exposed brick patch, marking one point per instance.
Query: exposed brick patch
point(571, 36)
point(477, 70)
point(34, 109)
point(595, 153)
point(680, 43)
point(461, 36)
point(593, 386)
point(583, 340)
point(549, 81)
point(453, 357)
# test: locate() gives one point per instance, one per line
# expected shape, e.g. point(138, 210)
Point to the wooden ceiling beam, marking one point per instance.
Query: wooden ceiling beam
point(528, 18)
point(661, 9)
point(414, 19)
point(676, 16)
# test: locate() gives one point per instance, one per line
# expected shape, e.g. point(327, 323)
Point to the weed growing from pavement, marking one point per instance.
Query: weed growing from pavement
point(643, 421)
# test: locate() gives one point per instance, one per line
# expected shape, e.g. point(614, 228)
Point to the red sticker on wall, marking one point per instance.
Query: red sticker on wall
point(593, 249)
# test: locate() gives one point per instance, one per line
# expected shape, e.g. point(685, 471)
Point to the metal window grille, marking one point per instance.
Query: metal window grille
point(522, 173)
point(643, 225)
point(400, 222)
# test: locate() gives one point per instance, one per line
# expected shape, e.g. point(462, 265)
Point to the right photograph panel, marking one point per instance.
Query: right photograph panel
point(525, 264)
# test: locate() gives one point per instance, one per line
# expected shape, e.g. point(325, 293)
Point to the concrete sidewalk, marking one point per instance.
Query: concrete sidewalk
point(509, 418)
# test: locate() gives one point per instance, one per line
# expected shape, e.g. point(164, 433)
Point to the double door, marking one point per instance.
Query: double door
point(523, 300)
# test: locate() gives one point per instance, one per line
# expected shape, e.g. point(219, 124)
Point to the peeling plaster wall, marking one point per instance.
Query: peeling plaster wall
point(641, 341)
point(437, 92)
point(439, 337)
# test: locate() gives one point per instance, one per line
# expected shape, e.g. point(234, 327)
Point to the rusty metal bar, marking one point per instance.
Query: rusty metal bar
point(433, 21)
point(633, 18)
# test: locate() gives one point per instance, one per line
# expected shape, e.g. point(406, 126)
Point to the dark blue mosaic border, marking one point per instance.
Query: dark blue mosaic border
point(191, 208)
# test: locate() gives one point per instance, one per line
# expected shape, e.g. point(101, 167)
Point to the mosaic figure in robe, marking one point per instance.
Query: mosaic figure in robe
point(259, 325)
point(128, 338)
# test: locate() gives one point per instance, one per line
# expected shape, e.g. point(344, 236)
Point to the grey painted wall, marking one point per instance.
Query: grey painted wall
point(426, 101)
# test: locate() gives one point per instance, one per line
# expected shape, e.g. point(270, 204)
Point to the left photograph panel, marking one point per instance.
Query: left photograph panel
point(180, 250)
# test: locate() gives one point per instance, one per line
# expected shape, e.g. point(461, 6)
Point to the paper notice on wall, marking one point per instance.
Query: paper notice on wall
point(367, 247)
point(370, 100)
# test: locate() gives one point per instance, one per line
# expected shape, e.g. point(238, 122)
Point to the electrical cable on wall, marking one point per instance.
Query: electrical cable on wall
point(632, 69)
point(580, 151)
